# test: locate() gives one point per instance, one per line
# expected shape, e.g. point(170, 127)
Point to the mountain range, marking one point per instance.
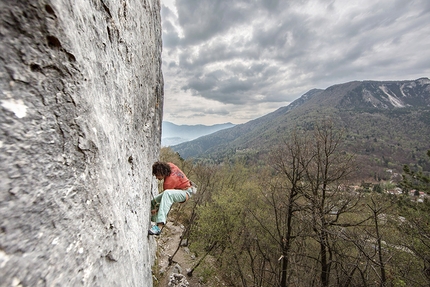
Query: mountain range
point(173, 134)
point(386, 124)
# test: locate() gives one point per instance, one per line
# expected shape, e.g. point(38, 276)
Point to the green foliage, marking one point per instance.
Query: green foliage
point(167, 154)
point(223, 225)
point(294, 222)
point(414, 236)
point(414, 178)
point(377, 188)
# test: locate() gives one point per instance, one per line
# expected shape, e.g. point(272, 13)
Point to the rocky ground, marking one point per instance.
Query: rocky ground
point(174, 273)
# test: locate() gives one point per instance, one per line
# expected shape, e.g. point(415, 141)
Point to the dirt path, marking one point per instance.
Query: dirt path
point(182, 262)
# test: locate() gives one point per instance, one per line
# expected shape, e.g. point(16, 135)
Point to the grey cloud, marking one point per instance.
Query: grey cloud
point(204, 83)
point(290, 51)
point(272, 5)
point(170, 39)
point(212, 52)
point(235, 83)
point(202, 19)
point(172, 65)
point(220, 112)
point(166, 13)
point(208, 53)
point(197, 113)
point(170, 36)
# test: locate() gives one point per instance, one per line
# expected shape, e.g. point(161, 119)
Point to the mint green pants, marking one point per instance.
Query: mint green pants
point(164, 201)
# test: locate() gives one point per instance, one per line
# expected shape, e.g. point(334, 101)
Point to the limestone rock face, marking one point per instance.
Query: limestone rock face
point(81, 96)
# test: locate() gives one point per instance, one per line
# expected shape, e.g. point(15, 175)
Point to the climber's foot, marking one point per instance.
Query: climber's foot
point(155, 230)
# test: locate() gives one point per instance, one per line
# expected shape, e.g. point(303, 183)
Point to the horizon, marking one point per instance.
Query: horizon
point(221, 123)
point(164, 121)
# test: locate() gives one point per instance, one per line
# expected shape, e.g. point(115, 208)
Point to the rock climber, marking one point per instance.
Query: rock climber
point(176, 188)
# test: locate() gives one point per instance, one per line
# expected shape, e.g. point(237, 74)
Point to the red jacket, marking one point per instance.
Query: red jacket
point(176, 180)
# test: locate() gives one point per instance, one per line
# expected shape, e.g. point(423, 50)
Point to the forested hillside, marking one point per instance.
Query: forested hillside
point(332, 190)
point(296, 219)
point(386, 125)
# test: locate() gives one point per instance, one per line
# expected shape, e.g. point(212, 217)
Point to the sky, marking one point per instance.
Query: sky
point(237, 60)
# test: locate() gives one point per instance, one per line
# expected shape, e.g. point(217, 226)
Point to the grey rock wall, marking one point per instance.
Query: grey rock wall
point(81, 96)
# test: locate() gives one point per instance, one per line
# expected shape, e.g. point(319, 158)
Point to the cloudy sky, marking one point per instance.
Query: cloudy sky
point(236, 60)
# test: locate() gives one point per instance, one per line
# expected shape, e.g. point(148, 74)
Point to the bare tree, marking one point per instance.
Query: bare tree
point(290, 161)
point(327, 168)
point(376, 210)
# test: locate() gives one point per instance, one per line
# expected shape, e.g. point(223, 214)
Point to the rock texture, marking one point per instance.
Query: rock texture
point(178, 280)
point(81, 97)
point(173, 264)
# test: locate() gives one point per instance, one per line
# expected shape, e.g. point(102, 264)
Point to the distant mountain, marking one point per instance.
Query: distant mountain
point(175, 134)
point(387, 125)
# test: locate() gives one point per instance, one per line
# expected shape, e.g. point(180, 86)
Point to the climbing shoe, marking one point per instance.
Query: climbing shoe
point(155, 230)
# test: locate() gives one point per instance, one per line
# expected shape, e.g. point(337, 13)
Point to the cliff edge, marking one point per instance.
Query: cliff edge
point(81, 97)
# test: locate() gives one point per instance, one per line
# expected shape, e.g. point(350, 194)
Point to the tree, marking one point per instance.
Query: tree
point(327, 202)
point(370, 250)
point(415, 179)
point(205, 177)
point(308, 203)
point(295, 222)
point(283, 197)
point(222, 229)
point(414, 228)
point(376, 211)
point(167, 154)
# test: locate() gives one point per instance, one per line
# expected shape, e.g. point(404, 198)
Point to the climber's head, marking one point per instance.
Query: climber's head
point(161, 170)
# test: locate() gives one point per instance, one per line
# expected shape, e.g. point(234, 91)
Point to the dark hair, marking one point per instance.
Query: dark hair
point(161, 168)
